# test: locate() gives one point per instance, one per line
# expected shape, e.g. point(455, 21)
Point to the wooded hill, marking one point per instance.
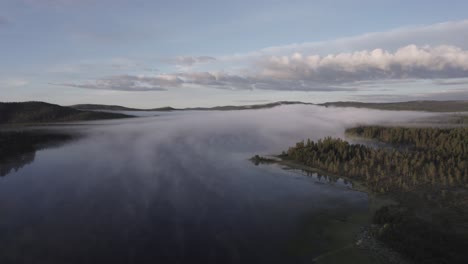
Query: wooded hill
point(40, 112)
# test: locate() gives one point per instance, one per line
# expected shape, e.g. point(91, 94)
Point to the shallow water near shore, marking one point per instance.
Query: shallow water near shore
point(179, 188)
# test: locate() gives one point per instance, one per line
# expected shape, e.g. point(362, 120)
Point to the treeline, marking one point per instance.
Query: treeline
point(40, 112)
point(442, 140)
point(432, 157)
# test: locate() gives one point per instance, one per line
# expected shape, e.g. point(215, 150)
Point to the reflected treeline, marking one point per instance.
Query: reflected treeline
point(16, 162)
point(18, 148)
point(324, 177)
point(310, 172)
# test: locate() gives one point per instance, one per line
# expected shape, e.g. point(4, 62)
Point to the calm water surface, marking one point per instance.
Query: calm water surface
point(178, 188)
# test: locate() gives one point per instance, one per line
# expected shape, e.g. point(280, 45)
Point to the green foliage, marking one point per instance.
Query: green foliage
point(430, 157)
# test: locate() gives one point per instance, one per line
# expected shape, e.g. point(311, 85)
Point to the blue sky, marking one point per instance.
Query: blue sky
point(204, 53)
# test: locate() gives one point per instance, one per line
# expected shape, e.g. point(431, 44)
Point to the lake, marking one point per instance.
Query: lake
point(179, 188)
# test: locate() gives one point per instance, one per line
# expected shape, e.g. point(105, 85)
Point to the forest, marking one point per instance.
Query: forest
point(420, 157)
point(425, 170)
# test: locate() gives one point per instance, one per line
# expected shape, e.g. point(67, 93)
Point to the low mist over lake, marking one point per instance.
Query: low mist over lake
point(179, 188)
point(152, 131)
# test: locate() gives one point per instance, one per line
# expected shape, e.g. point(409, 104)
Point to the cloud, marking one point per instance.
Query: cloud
point(129, 83)
point(218, 80)
point(190, 60)
point(346, 64)
point(410, 62)
point(341, 71)
point(298, 72)
point(446, 33)
point(163, 82)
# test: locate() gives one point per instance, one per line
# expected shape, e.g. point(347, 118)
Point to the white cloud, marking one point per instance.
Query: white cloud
point(437, 52)
point(410, 62)
point(129, 83)
point(189, 60)
point(446, 33)
point(301, 72)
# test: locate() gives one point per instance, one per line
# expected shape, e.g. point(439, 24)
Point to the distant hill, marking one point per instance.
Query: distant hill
point(168, 108)
point(40, 112)
point(248, 107)
point(117, 108)
point(104, 107)
point(429, 106)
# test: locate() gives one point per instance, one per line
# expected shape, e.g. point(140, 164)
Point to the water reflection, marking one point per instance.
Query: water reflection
point(16, 162)
point(18, 148)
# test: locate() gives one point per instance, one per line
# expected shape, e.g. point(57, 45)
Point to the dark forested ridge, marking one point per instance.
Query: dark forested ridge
point(168, 108)
point(93, 107)
point(86, 107)
point(39, 112)
point(250, 107)
point(428, 106)
point(424, 169)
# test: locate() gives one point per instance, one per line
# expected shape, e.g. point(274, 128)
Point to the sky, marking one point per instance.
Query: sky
point(149, 53)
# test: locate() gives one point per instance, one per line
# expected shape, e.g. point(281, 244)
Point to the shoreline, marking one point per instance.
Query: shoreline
point(365, 241)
